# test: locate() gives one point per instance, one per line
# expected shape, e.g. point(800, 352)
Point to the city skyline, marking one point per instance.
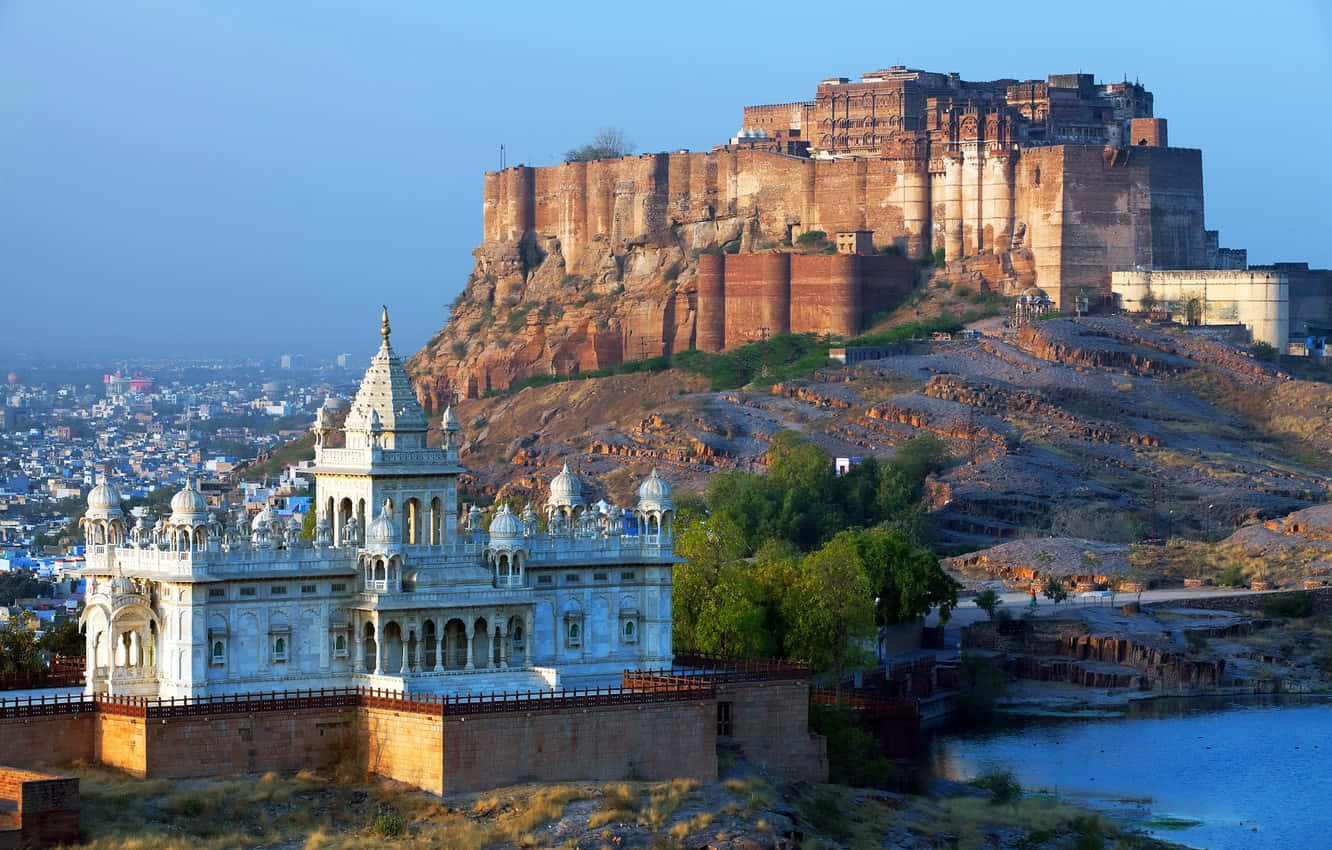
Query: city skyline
point(186, 180)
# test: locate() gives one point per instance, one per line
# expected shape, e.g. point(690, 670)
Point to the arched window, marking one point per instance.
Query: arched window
point(629, 628)
point(340, 645)
point(218, 652)
point(279, 649)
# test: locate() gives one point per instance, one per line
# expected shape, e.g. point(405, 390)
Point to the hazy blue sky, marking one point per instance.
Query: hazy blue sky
point(259, 175)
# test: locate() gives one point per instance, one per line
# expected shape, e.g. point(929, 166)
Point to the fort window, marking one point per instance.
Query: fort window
point(340, 646)
point(339, 588)
point(309, 588)
point(544, 579)
point(219, 653)
point(1036, 178)
point(279, 649)
point(724, 728)
point(278, 590)
point(572, 578)
point(247, 591)
point(629, 576)
point(598, 576)
point(217, 593)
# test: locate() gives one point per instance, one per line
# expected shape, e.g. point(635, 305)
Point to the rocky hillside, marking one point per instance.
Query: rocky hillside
point(525, 310)
point(1097, 428)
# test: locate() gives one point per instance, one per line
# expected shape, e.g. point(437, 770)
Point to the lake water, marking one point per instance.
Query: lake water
point(1252, 772)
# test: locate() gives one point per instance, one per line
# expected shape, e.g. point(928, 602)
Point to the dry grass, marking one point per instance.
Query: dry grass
point(620, 804)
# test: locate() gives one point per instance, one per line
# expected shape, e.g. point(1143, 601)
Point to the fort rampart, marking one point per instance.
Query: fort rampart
point(1082, 210)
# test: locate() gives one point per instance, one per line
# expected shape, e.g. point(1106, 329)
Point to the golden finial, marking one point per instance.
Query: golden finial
point(384, 326)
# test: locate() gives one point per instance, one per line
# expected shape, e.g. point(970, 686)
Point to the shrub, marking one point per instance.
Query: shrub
point(732, 247)
point(531, 256)
point(1263, 351)
point(963, 292)
point(988, 601)
point(1288, 605)
point(388, 825)
point(854, 757)
point(1231, 576)
point(1002, 785)
point(671, 273)
point(811, 238)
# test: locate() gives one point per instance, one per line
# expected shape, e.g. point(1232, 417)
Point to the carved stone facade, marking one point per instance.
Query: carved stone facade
point(397, 590)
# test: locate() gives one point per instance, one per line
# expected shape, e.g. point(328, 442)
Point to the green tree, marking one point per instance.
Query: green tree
point(64, 638)
point(19, 652)
point(706, 544)
point(1056, 589)
point(831, 608)
point(988, 601)
point(906, 580)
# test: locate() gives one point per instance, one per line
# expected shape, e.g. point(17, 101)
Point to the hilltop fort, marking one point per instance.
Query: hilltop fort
point(1051, 183)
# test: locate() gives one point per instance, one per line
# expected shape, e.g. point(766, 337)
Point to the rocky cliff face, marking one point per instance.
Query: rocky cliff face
point(529, 310)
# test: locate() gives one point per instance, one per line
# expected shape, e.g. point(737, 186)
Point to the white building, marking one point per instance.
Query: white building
point(397, 590)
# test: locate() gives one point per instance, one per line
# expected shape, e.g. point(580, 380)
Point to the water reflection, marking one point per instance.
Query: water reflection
point(1251, 771)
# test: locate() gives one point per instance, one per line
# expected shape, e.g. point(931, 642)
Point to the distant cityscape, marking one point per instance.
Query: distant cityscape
point(146, 426)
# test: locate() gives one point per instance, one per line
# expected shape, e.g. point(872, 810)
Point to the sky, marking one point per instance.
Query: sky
point(252, 178)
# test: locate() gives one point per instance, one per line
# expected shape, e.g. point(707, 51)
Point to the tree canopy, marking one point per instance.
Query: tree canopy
point(805, 563)
point(608, 143)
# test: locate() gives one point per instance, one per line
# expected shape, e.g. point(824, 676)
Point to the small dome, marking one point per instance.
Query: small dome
point(654, 493)
point(383, 530)
point(448, 422)
point(295, 523)
point(565, 488)
point(189, 504)
point(505, 526)
point(264, 519)
point(104, 500)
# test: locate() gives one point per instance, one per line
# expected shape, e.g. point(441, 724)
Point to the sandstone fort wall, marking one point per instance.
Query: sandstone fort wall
point(1082, 210)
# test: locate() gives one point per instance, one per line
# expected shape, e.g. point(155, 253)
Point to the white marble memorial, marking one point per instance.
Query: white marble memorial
point(398, 589)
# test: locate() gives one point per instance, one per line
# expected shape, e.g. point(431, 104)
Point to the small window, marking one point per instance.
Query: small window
point(629, 576)
point(278, 590)
point(574, 634)
point(340, 646)
point(219, 653)
point(339, 587)
point(247, 591)
point(309, 588)
point(217, 593)
point(517, 635)
point(724, 728)
point(280, 649)
point(630, 632)
point(598, 576)
point(544, 579)
point(573, 578)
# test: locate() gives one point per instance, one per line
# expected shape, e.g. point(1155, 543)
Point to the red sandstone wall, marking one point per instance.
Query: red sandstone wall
point(58, 739)
point(405, 747)
point(120, 742)
point(758, 294)
point(826, 294)
point(770, 723)
point(47, 808)
point(653, 741)
point(710, 334)
point(218, 745)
